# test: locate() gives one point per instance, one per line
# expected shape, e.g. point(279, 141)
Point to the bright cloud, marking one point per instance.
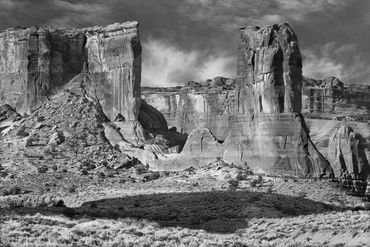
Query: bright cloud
point(167, 65)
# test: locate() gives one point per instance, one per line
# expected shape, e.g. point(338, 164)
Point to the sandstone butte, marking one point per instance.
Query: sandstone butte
point(257, 122)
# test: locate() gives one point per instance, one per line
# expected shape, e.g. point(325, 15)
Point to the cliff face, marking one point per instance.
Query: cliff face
point(36, 61)
point(114, 66)
point(189, 108)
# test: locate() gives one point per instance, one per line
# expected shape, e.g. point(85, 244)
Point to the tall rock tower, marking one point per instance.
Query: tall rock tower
point(269, 133)
point(270, 63)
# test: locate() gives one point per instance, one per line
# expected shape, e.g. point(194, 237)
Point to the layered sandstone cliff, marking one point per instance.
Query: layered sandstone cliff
point(332, 98)
point(113, 59)
point(35, 62)
point(39, 64)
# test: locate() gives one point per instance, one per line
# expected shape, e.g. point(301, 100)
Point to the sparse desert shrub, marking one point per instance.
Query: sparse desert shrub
point(140, 169)
point(267, 190)
point(60, 204)
point(84, 172)
point(110, 174)
point(233, 184)
point(69, 212)
point(14, 190)
point(42, 169)
point(253, 183)
point(54, 167)
point(64, 170)
point(151, 176)
point(72, 189)
point(88, 165)
point(302, 194)
point(101, 175)
point(3, 174)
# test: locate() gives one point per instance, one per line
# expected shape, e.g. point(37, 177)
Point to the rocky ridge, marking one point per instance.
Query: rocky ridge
point(254, 120)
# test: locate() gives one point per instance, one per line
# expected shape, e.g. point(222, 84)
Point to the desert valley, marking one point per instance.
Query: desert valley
point(89, 157)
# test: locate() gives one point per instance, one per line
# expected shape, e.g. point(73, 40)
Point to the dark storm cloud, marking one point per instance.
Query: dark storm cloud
point(196, 39)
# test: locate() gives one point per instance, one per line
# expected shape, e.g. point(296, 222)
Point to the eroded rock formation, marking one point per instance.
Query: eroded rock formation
point(255, 121)
point(37, 63)
point(332, 98)
point(347, 155)
point(114, 67)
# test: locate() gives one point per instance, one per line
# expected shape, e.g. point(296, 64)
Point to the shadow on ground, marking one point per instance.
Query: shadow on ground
point(213, 211)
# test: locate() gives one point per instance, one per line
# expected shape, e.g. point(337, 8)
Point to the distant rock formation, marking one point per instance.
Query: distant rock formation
point(347, 155)
point(331, 96)
point(320, 95)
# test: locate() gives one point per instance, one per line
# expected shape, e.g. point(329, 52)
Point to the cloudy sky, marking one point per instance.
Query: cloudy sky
point(197, 39)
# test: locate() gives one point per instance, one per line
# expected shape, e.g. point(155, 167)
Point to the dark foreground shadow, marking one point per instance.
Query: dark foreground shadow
point(213, 211)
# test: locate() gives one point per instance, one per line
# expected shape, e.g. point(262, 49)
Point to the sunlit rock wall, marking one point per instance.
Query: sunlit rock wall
point(190, 108)
point(114, 66)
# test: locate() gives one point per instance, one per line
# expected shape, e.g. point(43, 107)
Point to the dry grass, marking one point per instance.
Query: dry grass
point(331, 229)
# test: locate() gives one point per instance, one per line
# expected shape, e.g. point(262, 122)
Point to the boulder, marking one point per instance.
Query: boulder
point(150, 118)
point(9, 113)
point(56, 138)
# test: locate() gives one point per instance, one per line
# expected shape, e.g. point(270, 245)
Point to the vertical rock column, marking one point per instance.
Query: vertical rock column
point(270, 65)
point(114, 66)
point(276, 140)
